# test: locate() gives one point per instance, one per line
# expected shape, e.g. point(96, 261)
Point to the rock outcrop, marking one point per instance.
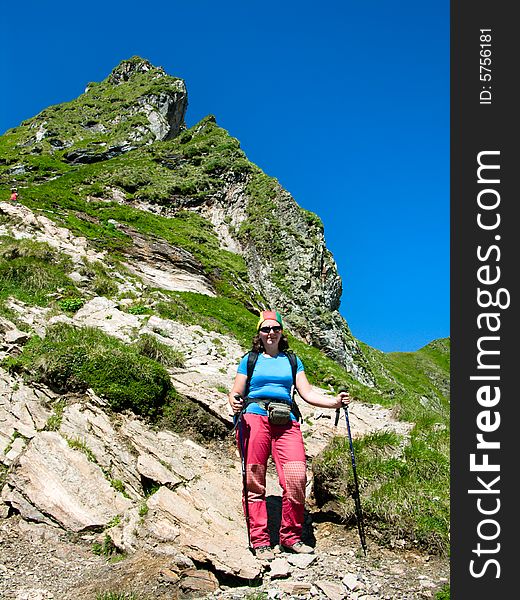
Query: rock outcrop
point(290, 267)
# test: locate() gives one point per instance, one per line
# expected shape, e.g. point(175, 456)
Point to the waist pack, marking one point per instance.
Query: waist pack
point(279, 413)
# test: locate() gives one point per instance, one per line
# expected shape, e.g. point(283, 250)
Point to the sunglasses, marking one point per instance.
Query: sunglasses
point(275, 328)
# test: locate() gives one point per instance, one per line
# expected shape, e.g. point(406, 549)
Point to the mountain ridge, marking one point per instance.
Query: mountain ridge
point(215, 176)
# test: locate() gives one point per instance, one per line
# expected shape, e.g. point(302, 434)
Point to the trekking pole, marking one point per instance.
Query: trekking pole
point(239, 422)
point(355, 495)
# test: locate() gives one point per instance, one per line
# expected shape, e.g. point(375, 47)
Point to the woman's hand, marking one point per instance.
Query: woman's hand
point(342, 399)
point(237, 393)
point(237, 402)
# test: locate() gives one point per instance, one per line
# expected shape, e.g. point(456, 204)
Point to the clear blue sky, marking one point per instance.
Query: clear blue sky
point(346, 103)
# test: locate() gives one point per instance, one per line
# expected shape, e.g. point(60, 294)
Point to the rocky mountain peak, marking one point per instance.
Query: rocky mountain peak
point(126, 69)
point(136, 105)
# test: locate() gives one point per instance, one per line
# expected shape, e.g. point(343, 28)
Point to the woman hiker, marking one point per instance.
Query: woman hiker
point(270, 384)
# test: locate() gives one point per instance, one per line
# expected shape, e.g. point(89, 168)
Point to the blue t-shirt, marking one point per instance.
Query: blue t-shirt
point(272, 378)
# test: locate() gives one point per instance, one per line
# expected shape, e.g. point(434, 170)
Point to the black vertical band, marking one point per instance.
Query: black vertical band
point(485, 256)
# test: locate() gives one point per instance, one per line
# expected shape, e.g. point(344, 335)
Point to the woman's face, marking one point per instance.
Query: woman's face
point(270, 333)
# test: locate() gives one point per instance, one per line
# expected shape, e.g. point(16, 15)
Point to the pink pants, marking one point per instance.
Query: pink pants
point(285, 444)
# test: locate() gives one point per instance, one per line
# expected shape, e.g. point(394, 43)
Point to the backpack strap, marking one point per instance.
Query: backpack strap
point(294, 365)
point(252, 357)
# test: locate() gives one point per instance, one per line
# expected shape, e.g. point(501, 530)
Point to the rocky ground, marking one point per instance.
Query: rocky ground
point(37, 563)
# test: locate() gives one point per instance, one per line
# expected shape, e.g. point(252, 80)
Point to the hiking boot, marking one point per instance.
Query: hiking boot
point(298, 548)
point(264, 553)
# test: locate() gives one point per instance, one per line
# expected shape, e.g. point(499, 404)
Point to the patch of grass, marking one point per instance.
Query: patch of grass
point(3, 474)
point(118, 596)
point(119, 486)
point(220, 315)
point(101, 282)
point(71, 304)
point(404, 483)
point(443, 593)
point(417, 382)
point(182, 415)
point(148, 345)
point(105, 548)
point(404, 487)
point(54, 421)
point(33, 272)
point(114, 522)
point(138, 309)
point(15, 436)
point(81, 445)
point(74, 359)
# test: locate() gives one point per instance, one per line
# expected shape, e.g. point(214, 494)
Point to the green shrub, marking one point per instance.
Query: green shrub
point(71, 304)
point(70, 359)
point(33, 271)
point(443, 593)
point(148, 345)
point(117, 596)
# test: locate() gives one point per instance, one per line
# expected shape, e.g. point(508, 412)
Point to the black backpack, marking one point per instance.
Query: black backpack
point(252, 357)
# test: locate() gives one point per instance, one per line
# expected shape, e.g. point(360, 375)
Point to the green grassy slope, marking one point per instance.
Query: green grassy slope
point(404, 483)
